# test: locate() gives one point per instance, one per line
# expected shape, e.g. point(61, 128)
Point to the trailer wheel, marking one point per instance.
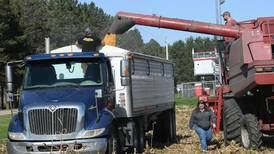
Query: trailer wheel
point(165, 128)
point(139, 136)
point(251, 136)
point(232, 116)
point(172, 126)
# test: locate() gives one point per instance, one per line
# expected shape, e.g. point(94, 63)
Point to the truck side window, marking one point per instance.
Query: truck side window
point(109, 72)
point(93, 72)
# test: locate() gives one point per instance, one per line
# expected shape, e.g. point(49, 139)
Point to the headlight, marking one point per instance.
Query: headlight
point(92, 133)
point(16, 136)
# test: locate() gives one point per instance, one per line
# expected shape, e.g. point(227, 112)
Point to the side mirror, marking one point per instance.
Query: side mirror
point(9, 79)
point(124, 69)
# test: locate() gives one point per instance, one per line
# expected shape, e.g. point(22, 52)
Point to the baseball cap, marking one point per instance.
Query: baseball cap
point(226, 13)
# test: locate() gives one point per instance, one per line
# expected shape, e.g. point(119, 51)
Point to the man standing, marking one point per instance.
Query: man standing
point(229, 21)
point(88, 43)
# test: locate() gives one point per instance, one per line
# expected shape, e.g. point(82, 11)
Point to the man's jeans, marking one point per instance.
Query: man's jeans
point(204, 135)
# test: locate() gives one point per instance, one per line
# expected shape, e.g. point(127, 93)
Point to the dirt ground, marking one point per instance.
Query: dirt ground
point(188, 142)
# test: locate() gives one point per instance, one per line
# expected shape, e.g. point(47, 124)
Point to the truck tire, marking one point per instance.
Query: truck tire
point(232, 116)
point(158, 133)
point(114, 146)
point(139, 136)
point(251, 136)
point(165, 128)
point(172, 126)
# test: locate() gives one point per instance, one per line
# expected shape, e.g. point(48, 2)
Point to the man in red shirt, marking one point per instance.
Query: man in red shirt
point(229, 21)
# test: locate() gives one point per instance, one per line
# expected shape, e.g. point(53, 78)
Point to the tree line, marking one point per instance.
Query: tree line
point(24, 24)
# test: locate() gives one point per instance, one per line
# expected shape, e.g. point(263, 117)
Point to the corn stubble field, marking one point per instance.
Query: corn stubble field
point(188, 143)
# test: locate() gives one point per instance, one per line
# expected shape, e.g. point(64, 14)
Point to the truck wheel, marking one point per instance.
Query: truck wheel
point(114, 146)
point(172, 126)
point(158, 134)
point(251, 136)
point(165, 128)
point(139, 136)
point(232, 116)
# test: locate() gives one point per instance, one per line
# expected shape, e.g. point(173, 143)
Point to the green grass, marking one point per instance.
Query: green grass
point(180, 101)
point(4, 122)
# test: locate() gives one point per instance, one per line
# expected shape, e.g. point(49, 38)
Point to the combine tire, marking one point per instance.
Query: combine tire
point(251, 136)
point(232, 116)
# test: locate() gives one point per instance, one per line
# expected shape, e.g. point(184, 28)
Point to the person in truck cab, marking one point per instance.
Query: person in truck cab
point(201, 120)
point(89, 42)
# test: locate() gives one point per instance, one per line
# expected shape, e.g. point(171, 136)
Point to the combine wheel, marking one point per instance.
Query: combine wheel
point(232, 116)
point(251, 136)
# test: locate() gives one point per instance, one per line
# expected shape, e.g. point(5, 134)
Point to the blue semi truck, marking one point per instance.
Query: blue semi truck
point(87, 102)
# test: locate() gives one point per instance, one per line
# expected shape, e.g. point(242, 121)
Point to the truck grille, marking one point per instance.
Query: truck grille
point(46, 122)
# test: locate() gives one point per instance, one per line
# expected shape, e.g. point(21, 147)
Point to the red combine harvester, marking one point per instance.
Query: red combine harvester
point(244, 103)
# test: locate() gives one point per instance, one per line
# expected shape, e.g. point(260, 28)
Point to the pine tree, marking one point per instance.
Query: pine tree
point(131, 40)
point(153, 48)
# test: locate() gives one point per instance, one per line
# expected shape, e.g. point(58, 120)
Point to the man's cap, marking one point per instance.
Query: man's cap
point(87, 31)
point(226, 13)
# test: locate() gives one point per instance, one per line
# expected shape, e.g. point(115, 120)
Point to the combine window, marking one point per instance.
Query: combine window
point(272, 47)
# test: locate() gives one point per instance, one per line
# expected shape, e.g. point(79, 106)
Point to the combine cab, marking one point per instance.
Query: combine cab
point(207, 71)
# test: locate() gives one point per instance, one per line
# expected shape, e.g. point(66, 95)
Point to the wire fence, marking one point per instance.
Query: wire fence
point(187, 89)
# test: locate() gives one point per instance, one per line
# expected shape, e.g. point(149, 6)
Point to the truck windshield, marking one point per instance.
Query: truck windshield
point(65, 72)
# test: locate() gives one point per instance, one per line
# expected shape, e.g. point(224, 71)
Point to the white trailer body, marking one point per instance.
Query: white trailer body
point(149, 86)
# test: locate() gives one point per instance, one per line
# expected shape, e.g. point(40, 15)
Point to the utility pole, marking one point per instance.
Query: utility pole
point(217, 7)
point(218, 10)
point(218, 4)
point(221, 2)
point(166, 48)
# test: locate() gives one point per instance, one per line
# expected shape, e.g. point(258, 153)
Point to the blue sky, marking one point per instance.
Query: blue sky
point(200, 10)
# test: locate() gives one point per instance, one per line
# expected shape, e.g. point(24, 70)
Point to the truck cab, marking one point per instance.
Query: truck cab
point(63, 104)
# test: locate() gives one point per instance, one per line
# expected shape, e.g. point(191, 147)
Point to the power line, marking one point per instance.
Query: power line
point(153, 35)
